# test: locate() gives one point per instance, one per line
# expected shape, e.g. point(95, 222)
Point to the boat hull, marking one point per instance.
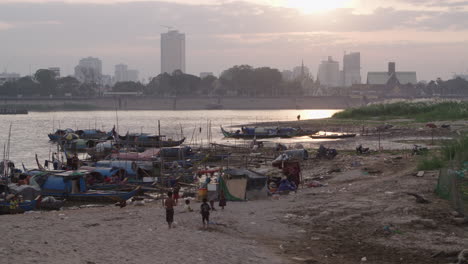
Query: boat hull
point(7, 208)
point(96, 196)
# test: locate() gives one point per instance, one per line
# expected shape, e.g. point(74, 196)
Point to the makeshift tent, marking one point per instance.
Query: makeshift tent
point(242, 184)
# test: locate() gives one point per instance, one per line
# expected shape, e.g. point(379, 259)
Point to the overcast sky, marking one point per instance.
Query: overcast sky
point(427, 36)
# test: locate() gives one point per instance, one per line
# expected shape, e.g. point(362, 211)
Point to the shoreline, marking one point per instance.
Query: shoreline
point(204, 103)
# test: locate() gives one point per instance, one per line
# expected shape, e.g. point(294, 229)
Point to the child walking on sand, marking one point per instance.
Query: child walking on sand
point(205, 212)
point(169, 205)
point(222, 200)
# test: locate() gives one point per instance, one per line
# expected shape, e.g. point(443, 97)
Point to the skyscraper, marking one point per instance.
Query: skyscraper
point(89, 70)
point(329, 73)
point(351, 69)
point(120, 74)
point(172, 51)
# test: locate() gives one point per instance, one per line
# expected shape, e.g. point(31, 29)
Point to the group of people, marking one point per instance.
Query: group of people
point(172, 199)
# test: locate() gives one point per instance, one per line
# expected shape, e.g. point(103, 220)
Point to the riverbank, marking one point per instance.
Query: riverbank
point(181, 103)
point(362, 212)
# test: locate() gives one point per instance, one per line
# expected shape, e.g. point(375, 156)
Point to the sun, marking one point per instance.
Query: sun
point(313, 6)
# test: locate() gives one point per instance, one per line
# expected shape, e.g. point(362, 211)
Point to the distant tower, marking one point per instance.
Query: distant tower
point(329, 73)
point(351, 69)
point(391, 68)
point(172, 51)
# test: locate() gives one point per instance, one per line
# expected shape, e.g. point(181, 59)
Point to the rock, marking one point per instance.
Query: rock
point(363, 259)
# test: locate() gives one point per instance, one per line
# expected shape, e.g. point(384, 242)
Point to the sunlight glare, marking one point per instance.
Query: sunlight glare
point(312, 6)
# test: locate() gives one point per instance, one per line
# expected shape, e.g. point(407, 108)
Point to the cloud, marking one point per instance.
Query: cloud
point(218, 35)
point(5, 26)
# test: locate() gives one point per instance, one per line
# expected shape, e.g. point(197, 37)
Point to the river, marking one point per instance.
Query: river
point(29, 132)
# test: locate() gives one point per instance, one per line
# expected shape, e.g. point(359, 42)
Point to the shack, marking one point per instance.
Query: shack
point(243, 184)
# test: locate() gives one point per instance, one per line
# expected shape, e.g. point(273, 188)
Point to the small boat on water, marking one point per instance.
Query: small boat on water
point(71, 185)
point(59, 133)
point(266, 132)
point(148, 140)
point(82, 134)
point(333, 136)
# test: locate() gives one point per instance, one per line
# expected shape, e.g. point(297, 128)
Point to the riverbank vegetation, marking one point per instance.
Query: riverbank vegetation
point(420, 111)
point(453, 154)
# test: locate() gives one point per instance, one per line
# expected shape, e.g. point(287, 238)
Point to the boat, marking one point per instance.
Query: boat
point(93, 134)
point(72, 186)
point(10, 207)
point(148, 140)
point(59, 133)
point(18, 198)
point(82, 134)
point(78, 145)
point(333, 136)
point(266, 132)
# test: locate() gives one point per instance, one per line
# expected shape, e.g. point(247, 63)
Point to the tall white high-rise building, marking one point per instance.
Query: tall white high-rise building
point(120, 73)
point(172, 51)
point(89, 70)
point(351, 69)
point(329, 73)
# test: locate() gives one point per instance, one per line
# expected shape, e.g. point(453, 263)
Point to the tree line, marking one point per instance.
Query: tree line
point(239, 80)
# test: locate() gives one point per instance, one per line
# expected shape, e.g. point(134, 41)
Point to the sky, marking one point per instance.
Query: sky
point(426, 36)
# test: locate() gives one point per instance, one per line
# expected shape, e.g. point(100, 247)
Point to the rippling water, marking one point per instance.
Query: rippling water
point(29, 132)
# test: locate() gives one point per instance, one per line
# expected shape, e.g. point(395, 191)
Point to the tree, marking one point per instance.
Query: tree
point(239, 79)
point(128, 87)
point(207, 84)
point(88, 89)
point(47, 82)
point(68, 85)
point(27, 86)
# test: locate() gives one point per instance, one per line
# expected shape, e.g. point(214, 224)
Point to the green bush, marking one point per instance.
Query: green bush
point(453, 153)
point(421, 111)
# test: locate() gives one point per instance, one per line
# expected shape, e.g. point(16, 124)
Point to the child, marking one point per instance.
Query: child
point(222, 200)
point(176, 190)
point(205, 212)
point(212, 205)
point(169, 204)
point(187, 206)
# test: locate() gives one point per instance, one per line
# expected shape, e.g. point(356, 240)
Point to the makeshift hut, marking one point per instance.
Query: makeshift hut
point(243, 184)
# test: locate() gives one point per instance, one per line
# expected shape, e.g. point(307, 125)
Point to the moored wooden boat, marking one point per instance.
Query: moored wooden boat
point(267, 132)
point(71, 185)
point(13, 207)
point(148, 141)
point(333, 136)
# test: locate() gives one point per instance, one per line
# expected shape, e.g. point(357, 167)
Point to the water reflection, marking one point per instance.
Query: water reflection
point(29, 132)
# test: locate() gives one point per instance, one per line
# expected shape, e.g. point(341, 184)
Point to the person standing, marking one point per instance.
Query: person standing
point(205, 212)
point(222, 200)
point(169, 205)
point(176, 190)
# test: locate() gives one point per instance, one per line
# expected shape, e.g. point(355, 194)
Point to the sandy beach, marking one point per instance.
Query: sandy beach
point(363, 214)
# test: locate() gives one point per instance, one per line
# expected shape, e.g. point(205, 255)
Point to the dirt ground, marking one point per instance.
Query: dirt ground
point(362, 214)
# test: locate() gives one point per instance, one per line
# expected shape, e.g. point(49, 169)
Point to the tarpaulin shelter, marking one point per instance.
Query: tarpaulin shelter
point(243, 184)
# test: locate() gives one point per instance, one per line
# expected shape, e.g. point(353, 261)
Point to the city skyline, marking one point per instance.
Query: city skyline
point(428, 36)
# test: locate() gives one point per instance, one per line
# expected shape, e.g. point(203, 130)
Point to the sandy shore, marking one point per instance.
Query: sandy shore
point(363, 212)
